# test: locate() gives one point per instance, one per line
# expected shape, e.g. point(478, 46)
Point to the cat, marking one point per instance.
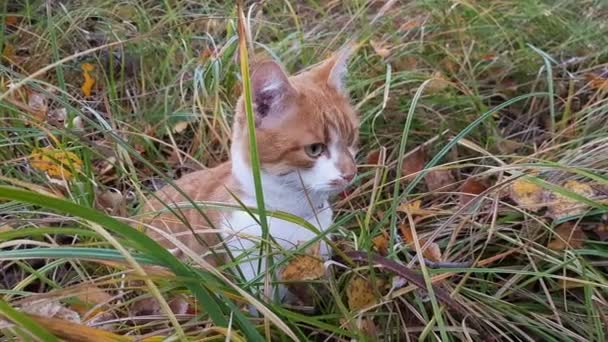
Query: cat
point(307, 135)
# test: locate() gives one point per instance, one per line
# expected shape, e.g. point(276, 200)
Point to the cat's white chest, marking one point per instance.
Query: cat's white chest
point(243, 234)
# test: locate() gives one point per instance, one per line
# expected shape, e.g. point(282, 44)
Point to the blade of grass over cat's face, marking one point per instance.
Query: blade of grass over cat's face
point(265, 246)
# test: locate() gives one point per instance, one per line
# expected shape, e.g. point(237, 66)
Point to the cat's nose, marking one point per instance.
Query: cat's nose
point(349, 177)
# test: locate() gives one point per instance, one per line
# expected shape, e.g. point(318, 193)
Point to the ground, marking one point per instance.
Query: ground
point(484, 150)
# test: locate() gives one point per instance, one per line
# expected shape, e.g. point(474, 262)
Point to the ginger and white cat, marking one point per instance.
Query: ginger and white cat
point(306, 132)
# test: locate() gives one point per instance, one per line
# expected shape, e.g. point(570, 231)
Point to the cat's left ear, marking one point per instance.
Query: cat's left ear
point(334, 69)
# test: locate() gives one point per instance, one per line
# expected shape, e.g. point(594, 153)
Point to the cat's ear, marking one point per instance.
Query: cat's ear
point(271, 89)
point(334, 69)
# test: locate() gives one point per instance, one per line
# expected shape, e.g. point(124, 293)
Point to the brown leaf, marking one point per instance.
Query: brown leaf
point(380, 48)
point(368, 327)
point(527, 194)
point(373, 157)
point(179, 305)
point(560, 206)
point(438, 83)
point(597, 82)
point(469, 190)
point(411, 207)
point(93, 295)
point(360, 293)
point(432, 252)
point(112, 202)
point(411, 24)
point(600, 230)
point(414, 163)
point(567, 235)
point(439, 179)
point(381, 243)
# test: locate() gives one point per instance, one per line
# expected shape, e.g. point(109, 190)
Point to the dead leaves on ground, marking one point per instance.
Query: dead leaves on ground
point(432, 252)
point(304, 267)
point(361, 293)
point(567, 235)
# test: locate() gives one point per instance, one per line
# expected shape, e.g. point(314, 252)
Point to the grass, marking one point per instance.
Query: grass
point(494, 90)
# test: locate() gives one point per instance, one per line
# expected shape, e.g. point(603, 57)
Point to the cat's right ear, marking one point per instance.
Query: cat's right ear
point(271, 89)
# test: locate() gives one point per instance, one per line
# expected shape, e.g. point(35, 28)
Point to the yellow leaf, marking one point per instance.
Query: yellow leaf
point(303, 268)
point(56, 163)
point(526, 194)
point(360, 293)
point(89, 81)
point(560, 206)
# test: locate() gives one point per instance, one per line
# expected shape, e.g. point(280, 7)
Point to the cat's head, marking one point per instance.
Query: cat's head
point(306, 128)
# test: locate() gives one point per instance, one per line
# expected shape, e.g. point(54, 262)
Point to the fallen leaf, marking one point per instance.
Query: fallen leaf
point(489, 57)
point(112, 202)
point(380, 243)
point(180, 126)
point(567, 235)
point(380, 48)
point(89, 81)
point(469, 190)
point(507, 146)
point(601, 231)
point(304, 267)
point(72, 331)
point(50, 309)
point(438, 83)
point(373, 157)
point(93, 295)
point(597, 82)
point(413, 163)
point(368, 327)
point(56, 163)
point(432, 252)
point(179, 305)
point(411, 207)
point(57, 117)
point(560, 206)
point(11, 20)
point(439, 179)
point(360, 293)
point(406, 63)
point(411, 24)
point(526, 194)
point(77, 123)
point(38, 106)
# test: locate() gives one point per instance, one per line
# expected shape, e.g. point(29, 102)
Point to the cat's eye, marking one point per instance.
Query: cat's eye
point(315, 150)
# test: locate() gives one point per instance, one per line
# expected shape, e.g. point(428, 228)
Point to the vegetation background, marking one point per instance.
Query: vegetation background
point(481, 198)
